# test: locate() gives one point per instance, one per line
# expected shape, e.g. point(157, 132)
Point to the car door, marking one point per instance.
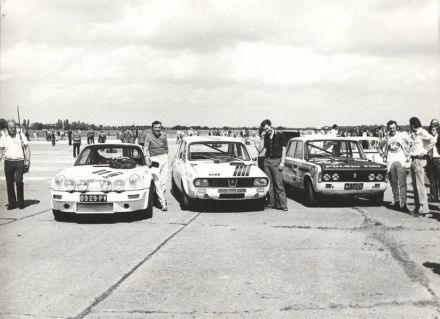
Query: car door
point(298, 163)
point(179, 165)
point(288, 164)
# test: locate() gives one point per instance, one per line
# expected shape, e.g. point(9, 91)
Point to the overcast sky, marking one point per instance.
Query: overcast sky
point(194, 62)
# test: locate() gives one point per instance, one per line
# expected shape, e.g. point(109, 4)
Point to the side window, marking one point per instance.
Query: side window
point(291, 149)
point(299, 150)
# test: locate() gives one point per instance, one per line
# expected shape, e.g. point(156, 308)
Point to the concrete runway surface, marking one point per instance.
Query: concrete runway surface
point(343, 260)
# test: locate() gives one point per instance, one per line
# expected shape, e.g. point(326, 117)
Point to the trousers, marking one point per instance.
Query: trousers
point(14, 177)
point(160, 175)
point(434, 178)
point(277, 193)
point(418, 182)
point(398, 182)
point(76, 147)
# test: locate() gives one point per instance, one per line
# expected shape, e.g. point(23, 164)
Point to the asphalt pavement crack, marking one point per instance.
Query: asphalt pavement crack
point(107, 293)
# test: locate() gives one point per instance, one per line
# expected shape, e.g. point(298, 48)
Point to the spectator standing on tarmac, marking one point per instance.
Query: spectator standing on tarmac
point(275, 144)
point(17, 154)
point(156, 150)
point(76, 139)
point(433, 167)
point(69, 135)
point(53, 137)
point(396, 153)
point(101, 137)
point(141, 138)
point(423, 142)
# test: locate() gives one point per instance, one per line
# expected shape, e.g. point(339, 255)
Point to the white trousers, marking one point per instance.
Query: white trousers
point(160, 175)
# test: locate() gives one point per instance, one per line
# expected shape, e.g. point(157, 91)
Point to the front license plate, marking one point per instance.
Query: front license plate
point(88, 198)
point(351, 186)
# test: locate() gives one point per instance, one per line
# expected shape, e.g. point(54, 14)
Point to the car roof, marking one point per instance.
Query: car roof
point(99, 145)
point(194, 139)
point(320, 138)
point(364, 138)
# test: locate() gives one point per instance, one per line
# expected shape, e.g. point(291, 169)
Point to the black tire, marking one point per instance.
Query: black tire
point(186, 203)
point(377, 200)
point(58, 215)
point(148, 212)
point(310, 195)
point(174, 188)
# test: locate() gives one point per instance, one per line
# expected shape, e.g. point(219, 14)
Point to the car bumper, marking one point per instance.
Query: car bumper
point(126, 201)
point(224, 193)
point(339, 188)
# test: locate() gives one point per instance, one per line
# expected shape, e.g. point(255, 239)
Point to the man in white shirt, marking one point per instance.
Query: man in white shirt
point(15, 149)
point(395, 148)
point(423, 142)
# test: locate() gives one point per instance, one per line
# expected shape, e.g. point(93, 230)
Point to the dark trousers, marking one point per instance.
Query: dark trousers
point(70, 139)
point(434, 177)
point(14, 175)
point(277, 194)
point(76, 149)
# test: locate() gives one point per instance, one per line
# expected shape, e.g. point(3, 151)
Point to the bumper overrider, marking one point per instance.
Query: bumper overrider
point(93, 202)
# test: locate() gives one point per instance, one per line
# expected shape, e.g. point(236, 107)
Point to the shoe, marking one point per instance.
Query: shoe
point(12, 206)
point(395, 206)
point(284, 209)
point(21, 206)
point(164, 208)
point(404, 209)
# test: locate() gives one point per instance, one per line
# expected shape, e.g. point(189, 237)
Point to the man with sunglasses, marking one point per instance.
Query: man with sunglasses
point(275, 144)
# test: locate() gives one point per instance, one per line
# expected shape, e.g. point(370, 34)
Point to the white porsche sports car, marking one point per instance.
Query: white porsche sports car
point(105, 179)
point(216, 168)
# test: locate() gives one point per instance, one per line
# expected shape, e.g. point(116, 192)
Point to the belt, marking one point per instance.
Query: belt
point(273, 157)
point(419, 157)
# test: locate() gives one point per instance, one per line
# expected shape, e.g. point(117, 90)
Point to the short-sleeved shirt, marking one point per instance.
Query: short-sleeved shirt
point(156, 145)
point(13, 146)
point(76, 137)
point(274, 146)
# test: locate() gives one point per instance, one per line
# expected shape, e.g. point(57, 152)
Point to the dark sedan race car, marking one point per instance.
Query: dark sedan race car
point(333, 166)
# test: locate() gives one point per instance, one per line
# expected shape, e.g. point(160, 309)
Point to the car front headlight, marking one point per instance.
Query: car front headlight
point(134, 181)
point(118, 185)
point(371, 177)
point(201, 182)
point(58, 182)
point(326, 177)
point(69, 185)
point(260, 182)
point(335, 177)
point(82, 185)
point(379, 177)
point(106, 185)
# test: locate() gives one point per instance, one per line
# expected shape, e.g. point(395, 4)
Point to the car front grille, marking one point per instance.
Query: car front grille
point(225, 182)
point(350, 176)
point(94, 208)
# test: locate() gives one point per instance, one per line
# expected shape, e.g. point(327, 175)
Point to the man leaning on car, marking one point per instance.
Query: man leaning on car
point(275, 144)
point(156, 150)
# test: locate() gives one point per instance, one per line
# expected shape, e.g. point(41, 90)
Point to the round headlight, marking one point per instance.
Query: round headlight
point(134, 181)
point(371, 177)
point(335, 177)
point(82, 185)
point(326, 177)
point(379, 177)
point(106, 185)
point(59, 181)
point(118, 185)
point(69, 184)
point(201, 182)
point(260, 182)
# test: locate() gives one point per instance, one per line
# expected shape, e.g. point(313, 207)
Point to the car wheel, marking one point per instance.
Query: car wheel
point(377, 200)
point(149, 209)
point(58, 215)
point(311, 198)
point(186, 203)
point(174, 189)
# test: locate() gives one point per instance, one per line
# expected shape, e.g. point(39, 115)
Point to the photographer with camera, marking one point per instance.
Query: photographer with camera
point(15, 148)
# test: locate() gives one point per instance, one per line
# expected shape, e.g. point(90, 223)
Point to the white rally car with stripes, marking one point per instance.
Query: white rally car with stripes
point(216, 168)
point(105, 179)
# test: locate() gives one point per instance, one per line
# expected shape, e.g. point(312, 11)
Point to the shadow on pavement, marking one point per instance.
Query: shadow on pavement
point(435, 267)
point(105, 218)
point(30, 202)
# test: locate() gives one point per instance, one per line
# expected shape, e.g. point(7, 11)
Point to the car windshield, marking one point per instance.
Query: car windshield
point(334, 149)
point(223, 151)
point(102, 154)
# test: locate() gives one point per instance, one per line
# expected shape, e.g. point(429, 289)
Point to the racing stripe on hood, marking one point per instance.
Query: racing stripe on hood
point(248, 170)
point(236, 170)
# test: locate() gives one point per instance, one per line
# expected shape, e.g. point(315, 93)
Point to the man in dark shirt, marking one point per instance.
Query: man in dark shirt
point(275, 144)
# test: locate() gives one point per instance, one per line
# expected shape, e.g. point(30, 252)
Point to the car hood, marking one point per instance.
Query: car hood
point(247, 169)
point(347, 164)
point(99, 173)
